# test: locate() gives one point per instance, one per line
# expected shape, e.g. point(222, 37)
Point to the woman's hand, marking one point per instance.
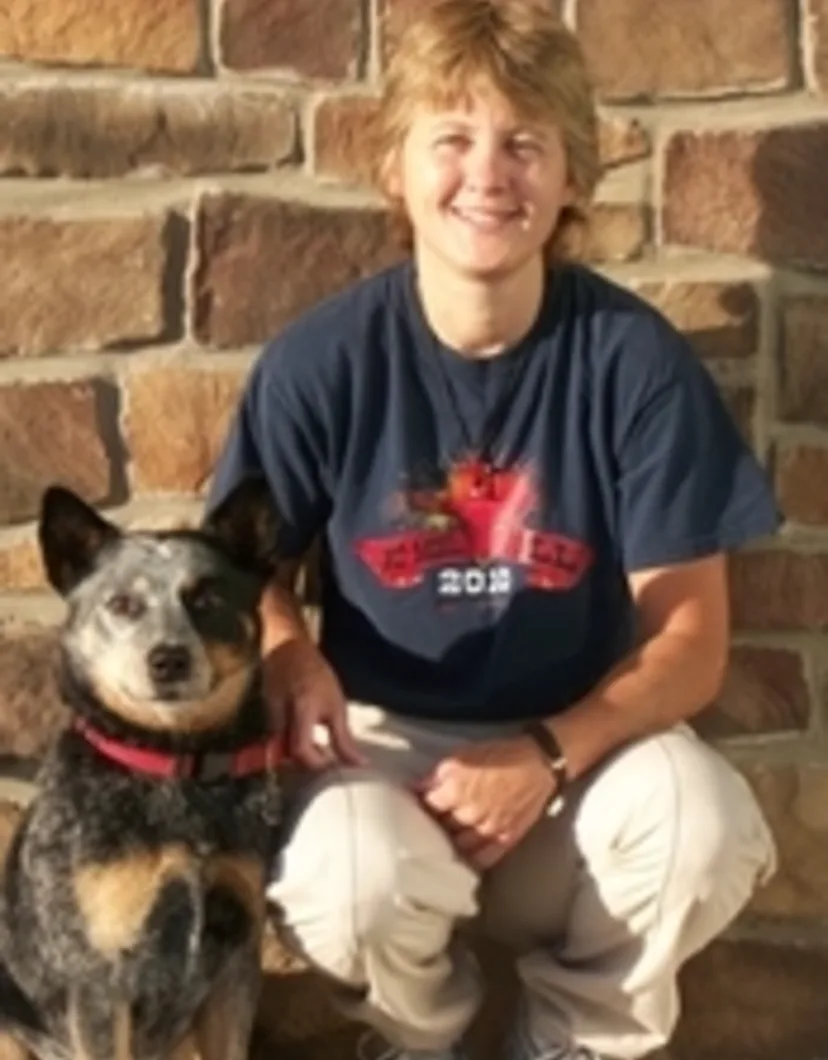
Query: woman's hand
point(488, 795)
point(304, 693)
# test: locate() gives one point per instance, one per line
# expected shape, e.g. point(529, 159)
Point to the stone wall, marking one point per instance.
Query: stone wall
point(178, 178)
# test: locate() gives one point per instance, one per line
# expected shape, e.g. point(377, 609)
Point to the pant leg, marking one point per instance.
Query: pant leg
point(370, 890)
point(657, 852)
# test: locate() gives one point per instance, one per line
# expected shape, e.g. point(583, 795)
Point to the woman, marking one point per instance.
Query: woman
point(526, 486)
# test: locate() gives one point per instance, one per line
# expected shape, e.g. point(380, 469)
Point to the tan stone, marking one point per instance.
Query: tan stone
point(795, 802)
point(622, 140)
point(314, 38)
point(96, 131)
point(801, 481)
point(753, 1000)
point(58, 289)
point(262, 262)
point(342, 134)
point(759, 193)
point(30, 708)
point(53, 432)
point(21, 566)
point(803, 367)
point(764, 692)
point(816, 13)
point(176, 423)
point(150, 34)
point(778, 590)
point(616, 232)
point(659, 47)
point(720, 319)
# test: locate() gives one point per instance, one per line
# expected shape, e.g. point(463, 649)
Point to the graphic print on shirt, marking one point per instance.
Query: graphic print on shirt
point(472, 534)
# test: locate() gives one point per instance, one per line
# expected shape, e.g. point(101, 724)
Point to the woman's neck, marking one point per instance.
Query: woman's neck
point(480, 318)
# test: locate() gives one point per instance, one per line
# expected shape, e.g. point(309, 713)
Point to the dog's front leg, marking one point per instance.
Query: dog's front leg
point(100, 1027)
point(224, 1023)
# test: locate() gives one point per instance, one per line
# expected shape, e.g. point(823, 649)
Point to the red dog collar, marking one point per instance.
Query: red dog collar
point(207, 765)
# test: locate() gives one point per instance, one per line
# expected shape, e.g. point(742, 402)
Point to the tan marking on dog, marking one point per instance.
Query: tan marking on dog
point(122, 1032)
point(116, 898)
point(244, 876)
point(11, 1049)
point(182, 715)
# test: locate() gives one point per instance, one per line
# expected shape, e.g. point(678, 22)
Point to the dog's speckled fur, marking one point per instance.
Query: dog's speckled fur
point(133, 905)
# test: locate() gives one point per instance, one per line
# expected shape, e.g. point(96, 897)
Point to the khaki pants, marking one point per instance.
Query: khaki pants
point(654, 854)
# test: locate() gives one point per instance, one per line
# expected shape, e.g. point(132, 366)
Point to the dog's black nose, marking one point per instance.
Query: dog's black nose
point(169, 662)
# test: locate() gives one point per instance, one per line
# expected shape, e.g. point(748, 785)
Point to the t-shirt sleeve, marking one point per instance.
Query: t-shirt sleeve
point(273, 434)
point(688, 484)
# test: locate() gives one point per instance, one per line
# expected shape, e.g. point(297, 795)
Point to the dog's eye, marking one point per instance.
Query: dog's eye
point(206, 599)
point(124, 605)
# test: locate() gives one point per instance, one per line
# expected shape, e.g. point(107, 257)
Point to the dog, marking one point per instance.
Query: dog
point(133, 895)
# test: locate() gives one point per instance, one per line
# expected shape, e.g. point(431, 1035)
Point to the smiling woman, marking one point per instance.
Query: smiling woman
point(526, 484)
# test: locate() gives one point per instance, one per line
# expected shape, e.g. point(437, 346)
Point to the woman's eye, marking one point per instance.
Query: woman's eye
point(125, 605)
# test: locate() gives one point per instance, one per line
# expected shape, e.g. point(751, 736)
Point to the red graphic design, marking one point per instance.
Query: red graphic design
point(479, 516)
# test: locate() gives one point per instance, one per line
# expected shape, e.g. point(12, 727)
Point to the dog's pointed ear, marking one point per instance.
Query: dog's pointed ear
point(71, 535)
point(247, 524)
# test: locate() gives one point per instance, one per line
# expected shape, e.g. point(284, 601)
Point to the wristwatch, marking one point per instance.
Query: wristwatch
point(547, 744)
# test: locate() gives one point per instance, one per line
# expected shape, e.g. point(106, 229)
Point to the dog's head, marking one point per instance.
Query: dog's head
point(162, 628)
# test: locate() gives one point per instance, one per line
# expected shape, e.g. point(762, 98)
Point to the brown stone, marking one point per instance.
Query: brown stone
point(802, 483)
point(816, 14)
point(616, 232)
point(720, 319)
point(149, 34)
point(96, 131)
point(30, 708)
point(342, 137)
point(759, 193)
point(753, 1000)
point(659, 47)
point(803, 366)
point(314, 38)
point(795, 801)
point(262, 262)
point(58, 289)
point(622, 140)
point(20, 566)
point(764, 692)
point(54, 432)
point(779, 590)
point(176, 423)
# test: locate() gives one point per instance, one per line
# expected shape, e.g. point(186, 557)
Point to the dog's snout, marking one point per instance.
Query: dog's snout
point(169, 662)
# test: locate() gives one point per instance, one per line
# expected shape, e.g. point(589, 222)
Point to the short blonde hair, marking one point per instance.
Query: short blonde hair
point(519, 49)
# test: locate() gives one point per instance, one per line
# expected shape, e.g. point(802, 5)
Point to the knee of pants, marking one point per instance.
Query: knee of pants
point(365, 866)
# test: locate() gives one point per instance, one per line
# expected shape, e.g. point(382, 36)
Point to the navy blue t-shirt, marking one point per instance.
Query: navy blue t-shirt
point(480, 516)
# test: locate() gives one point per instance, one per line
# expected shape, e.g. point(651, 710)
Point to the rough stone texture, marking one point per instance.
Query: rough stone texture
point(749, 193)
point(621, 141)
point(751, 1000)
point(801, 480)
point(343, 146)
point(616, 232)
point(161, 35)
point(720, 319)
point(30, 708)
point(817, 41)
point(248, 285)
point(53, 432)
point(314, 38)
point(20, 565)
point(764, 692)
point(795, 802)
point(779, 590)
point(56, 278)
point(659, 47)
point(96, 131)
point(175, 425)
point(803, 361)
